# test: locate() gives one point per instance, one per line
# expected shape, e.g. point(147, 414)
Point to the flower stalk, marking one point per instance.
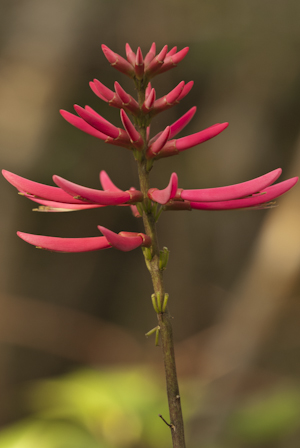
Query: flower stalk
point(164, 319)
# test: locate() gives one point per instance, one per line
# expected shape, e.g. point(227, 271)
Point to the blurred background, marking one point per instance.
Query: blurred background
point(75, 367)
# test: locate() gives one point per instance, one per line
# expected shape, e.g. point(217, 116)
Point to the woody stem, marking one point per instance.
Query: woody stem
point(164, 319)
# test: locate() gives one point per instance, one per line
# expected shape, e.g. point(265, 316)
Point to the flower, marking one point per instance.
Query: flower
point(136, 119)
point(251, 194)
point(124, 241)
point(89, 121)
point(69, 196)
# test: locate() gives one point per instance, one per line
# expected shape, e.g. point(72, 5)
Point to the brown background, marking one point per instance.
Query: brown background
point(232, 276)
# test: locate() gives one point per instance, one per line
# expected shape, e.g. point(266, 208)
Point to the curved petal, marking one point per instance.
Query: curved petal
point(106, 182)
point(186, 90)
point(269, 194)
point(159, 143)
point(150, 55)
point(156, 62)
point(168, 193)
point(169, 99)
point(124, 241)
point(133, 134)
point(232, 191)
point(178, 125)
point(79, 123)
point(101, 90)
point(130, 54)
point(173, 60)
point(97, 196)
point(56, 244)
point(172, 147)
point(96, 121)
point(183, 121)
point(52, 206)
point(40, 190)
point(200, 137)
point(117, 61)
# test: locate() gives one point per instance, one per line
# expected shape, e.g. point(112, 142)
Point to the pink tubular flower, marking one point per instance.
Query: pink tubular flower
point(117, 61)
point(149, 101)
point(156, 63)
point(166, 195)
point(150, 55)
point(128, 101)
point(139, 64)
point(70, 196)
point(254, 193)
point(98, 196)
point(124, 241)
point(173, 147)
point(173, 59)
point(131, 56)
point(135, 137)
point(56, 244)
point(159, 143)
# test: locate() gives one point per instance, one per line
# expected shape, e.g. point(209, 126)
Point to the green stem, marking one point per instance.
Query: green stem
point(164, 320)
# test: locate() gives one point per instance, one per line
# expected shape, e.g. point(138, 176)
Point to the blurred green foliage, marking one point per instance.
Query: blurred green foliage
point(268, 418)
point(111, 408)
point(118, 408)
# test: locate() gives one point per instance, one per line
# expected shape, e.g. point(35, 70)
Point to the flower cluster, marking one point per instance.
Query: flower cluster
point(69, 196)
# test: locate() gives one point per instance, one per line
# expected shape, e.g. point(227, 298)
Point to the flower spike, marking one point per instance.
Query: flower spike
point(125, 241)
point(68, 196)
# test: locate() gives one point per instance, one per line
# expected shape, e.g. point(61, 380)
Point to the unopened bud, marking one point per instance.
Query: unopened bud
point(163, 258)
point(159, 304)
point(164, 306)
point(154, 303)
point(157, 336)
point(147, 253)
